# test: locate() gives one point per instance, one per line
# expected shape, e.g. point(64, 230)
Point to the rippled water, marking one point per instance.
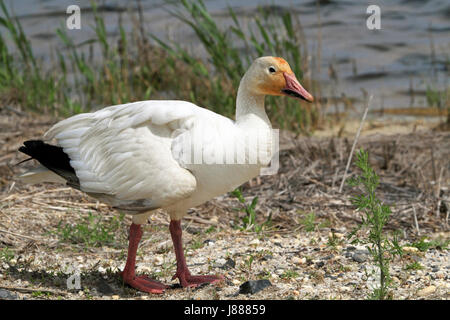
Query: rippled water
point(412, 49)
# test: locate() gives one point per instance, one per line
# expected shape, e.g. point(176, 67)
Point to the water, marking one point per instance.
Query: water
point(412, 49)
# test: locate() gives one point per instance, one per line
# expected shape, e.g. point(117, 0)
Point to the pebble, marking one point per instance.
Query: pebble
point(307, 289)
point(209, 242)
point(115, 297)
point(336, 235)
point(236, 282)
point(360, 257)
point(320, 264)
point(254, 242)
point(298, 260)
point(104, 288)
point(254, 286)
point(267, 257)
point(158, 260)
point(7, 295)
point(229, 264)
point(279, 272)
point(165, 245)
point(426, 291)
point(410, 249)
point(276, 240)
point(193, 230)
point(345, 289)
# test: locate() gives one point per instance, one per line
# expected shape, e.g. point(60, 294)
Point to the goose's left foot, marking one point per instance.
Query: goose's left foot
point(183, 274)
point(188, 280)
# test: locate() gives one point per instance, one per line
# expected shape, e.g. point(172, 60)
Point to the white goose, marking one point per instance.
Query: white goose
point(137, 156)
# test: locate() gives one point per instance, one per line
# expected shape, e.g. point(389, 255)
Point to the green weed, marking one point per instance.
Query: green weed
point(309, 221)
point(210, 230)
point(289, 274)
point(6, 255)
point(424, 244)
point(91, 231)
point(414, 266)
point(249, 220)
point(196, 244)
point(334, 241)
point(376, 215)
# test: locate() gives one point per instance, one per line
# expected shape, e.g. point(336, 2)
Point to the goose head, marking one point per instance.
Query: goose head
point(273, 76)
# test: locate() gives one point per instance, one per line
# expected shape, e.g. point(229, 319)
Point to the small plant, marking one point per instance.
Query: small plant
point(91, 231)
point(333, 241)
point(376, 215)
point(166, 270)
point(6, 255)
point(40, 294)
point(249, 221)
point(310, 222)
point(265, 274)
point(414, 266)
point(249, 262)
point(423, 244)
point(289, 274)
point(210, 229)
point(196, 244)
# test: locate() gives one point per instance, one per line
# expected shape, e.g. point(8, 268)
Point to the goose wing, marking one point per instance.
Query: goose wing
point(123, 154)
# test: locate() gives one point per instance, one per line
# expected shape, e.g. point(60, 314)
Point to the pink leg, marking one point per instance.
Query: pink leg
point(183, 274)
point(141, 283)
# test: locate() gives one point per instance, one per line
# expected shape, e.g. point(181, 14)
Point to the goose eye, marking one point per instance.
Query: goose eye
point(272, 70)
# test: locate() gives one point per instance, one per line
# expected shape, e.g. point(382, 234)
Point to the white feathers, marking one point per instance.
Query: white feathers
point(125, 150)
point(116, 154)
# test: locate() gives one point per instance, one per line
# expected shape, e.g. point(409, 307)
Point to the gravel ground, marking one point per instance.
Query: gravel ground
point(300, 265)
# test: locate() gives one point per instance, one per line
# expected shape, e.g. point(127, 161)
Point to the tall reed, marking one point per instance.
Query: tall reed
point(137, 66)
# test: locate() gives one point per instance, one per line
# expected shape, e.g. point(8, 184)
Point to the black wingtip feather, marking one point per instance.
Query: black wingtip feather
point(53, 158)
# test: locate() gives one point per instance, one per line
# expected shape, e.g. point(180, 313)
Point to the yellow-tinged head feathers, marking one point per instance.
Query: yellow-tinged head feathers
point(273, 76)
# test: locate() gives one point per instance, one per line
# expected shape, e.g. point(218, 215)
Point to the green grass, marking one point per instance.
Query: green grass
point(289, 274)
point(424, 244)
point(414, 266)
point(6, 255)
point(40, 294)
point(91, 231)
point(140, 66)
point(310, 221)
point(196, 244)
point(211, 229)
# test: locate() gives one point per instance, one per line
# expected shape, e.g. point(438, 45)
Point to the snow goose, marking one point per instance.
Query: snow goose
point(143, 156)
